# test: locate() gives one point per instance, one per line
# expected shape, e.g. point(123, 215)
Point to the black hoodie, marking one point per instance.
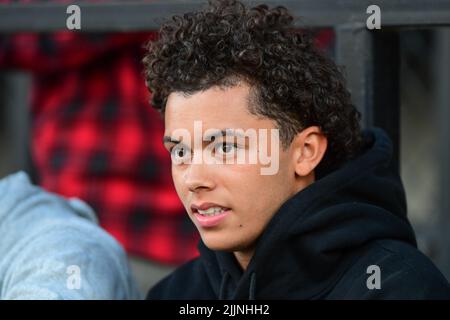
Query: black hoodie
point(321, 242)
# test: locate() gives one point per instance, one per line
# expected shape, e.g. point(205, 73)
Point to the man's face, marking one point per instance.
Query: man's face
point(248, 198)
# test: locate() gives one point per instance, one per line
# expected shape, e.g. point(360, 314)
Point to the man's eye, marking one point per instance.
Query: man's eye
point(179, 153)
point(226, 148)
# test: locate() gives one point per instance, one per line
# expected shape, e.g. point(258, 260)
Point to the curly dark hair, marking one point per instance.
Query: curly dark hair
point(291, 81)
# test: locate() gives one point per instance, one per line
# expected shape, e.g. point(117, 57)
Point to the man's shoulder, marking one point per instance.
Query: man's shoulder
point(188, 281)
point(48, 241)
point(391, 269)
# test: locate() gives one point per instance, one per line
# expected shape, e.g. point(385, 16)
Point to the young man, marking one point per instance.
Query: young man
point(327, 219)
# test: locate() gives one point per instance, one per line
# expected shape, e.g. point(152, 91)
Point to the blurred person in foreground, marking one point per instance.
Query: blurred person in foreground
point(333, 212)
point(52, 248)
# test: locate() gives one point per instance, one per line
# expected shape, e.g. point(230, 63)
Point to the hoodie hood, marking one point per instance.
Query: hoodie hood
point(316, 234)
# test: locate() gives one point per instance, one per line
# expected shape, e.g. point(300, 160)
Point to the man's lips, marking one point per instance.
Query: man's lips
point(206, 206)
point(208, 221)
point(211, 221)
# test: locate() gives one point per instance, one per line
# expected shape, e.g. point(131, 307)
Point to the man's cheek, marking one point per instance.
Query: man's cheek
point(180, 189)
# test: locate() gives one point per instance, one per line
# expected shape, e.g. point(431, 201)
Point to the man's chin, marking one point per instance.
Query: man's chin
point(217, 243)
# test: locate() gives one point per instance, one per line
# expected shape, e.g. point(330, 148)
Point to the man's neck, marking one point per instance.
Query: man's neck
point(244, 257)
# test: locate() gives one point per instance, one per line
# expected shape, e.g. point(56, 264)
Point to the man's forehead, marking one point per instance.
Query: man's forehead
point(216, 108)
point(213, 112)
point(211, 134)
point(215, 99)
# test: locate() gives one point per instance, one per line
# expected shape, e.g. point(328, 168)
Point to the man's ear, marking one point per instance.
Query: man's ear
point(309, 148)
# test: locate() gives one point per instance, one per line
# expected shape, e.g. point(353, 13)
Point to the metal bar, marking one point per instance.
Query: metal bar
point(15, 102)
point(386, 88)
point(148, 15)
point(353, 53)
point(371, 66)
point(442, 72)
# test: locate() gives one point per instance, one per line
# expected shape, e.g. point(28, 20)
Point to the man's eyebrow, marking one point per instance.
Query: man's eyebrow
point(209, 136)
point(224, 132)
point(170, 139)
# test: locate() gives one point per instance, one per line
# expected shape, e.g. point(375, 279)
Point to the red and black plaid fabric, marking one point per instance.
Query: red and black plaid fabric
point(95, 136)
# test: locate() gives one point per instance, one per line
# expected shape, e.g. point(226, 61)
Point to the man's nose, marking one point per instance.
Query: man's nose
point(198, 177)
